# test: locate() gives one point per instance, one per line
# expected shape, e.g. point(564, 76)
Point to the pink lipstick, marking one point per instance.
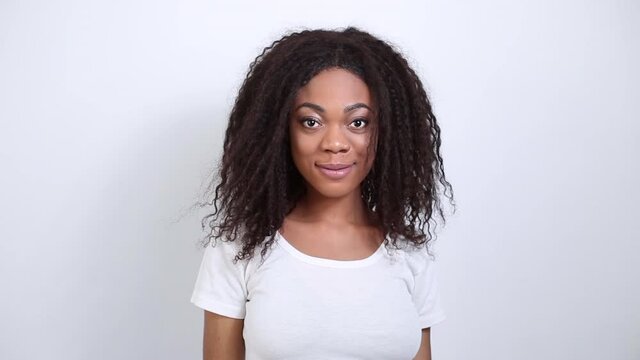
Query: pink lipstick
point(335, 171)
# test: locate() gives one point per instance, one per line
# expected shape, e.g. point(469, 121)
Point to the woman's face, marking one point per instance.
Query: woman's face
point(331, 126)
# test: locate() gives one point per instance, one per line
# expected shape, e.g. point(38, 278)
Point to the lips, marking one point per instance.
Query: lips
point(334, 166)
point(335, 171)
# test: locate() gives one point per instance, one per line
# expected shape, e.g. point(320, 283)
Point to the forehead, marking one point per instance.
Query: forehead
point(334, 86)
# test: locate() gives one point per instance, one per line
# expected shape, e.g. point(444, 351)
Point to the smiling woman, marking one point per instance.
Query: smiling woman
point(331, 133)
point(332, 154)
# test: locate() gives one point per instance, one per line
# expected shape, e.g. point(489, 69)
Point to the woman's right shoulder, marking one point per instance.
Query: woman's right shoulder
point(224, 245)
point(230, 249)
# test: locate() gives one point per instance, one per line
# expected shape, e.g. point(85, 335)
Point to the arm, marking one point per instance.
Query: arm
point(222, 337)
point(424, 353)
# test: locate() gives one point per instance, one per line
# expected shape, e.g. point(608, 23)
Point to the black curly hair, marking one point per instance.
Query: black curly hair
point(258, 183)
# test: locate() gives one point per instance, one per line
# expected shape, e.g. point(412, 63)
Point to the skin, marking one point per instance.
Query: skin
point(333, 121)
point(222, 339)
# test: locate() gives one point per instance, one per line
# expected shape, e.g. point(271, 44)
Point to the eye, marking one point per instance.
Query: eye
point(309, 122)
point(360, 123)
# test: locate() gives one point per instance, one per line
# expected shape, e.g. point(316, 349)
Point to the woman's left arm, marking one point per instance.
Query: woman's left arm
point(424, 353)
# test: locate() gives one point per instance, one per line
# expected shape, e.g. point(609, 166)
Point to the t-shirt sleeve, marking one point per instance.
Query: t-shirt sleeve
point(426, 295)
point(220, 285)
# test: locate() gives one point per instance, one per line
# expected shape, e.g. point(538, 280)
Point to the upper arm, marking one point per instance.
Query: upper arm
point(222, 337)
point(425, 292)
point(424, 353)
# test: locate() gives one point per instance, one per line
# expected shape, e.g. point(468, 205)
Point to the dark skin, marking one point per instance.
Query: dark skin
point(333, 122)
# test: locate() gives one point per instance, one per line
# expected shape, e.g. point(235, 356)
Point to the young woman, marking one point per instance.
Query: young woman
point(331, 170)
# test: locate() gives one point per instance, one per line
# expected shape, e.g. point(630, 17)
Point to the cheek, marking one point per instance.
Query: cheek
point(367, 155)
point(299, 146)
point(301, 152)
point(369, 160)
point(363, 148)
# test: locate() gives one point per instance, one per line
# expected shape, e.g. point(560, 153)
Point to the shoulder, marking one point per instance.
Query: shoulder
point(224, 248)
point(220, 254)
point(417, 258)
point(225, 252)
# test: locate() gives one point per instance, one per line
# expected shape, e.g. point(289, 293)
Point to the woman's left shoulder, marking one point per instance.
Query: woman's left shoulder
point(417, 257)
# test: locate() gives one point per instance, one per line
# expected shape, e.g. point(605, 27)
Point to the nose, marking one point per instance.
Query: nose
point(334, 140)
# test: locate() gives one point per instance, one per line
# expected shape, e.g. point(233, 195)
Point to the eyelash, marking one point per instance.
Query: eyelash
point(305, 120)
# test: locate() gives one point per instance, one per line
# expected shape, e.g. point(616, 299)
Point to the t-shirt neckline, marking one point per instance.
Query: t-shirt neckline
point(284, 243)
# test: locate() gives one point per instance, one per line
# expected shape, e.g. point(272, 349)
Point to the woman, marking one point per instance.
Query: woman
point(331, 157)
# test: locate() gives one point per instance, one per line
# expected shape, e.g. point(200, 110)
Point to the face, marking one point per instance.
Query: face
point(331, 127)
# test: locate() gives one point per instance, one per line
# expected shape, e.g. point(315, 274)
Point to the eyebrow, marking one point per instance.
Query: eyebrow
point(346, 109)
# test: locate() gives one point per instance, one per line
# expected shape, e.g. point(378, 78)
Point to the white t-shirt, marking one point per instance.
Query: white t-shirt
point(297, 306)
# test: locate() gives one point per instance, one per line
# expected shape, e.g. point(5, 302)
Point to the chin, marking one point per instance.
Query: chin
point(334, 191)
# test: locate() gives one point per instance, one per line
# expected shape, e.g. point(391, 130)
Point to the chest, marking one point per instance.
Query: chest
point(307, 312)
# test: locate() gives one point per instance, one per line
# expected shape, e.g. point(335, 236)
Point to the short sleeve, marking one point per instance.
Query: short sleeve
point(426, 295)
point(220, 285)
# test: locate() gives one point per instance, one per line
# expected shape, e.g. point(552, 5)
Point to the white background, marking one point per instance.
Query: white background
point(112, 118)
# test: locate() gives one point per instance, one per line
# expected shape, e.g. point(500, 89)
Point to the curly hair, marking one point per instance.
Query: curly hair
point(258, 183)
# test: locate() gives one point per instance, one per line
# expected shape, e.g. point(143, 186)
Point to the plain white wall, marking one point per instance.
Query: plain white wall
point(112, 117)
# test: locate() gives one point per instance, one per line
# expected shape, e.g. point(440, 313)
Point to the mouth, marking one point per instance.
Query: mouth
point(335, 171)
